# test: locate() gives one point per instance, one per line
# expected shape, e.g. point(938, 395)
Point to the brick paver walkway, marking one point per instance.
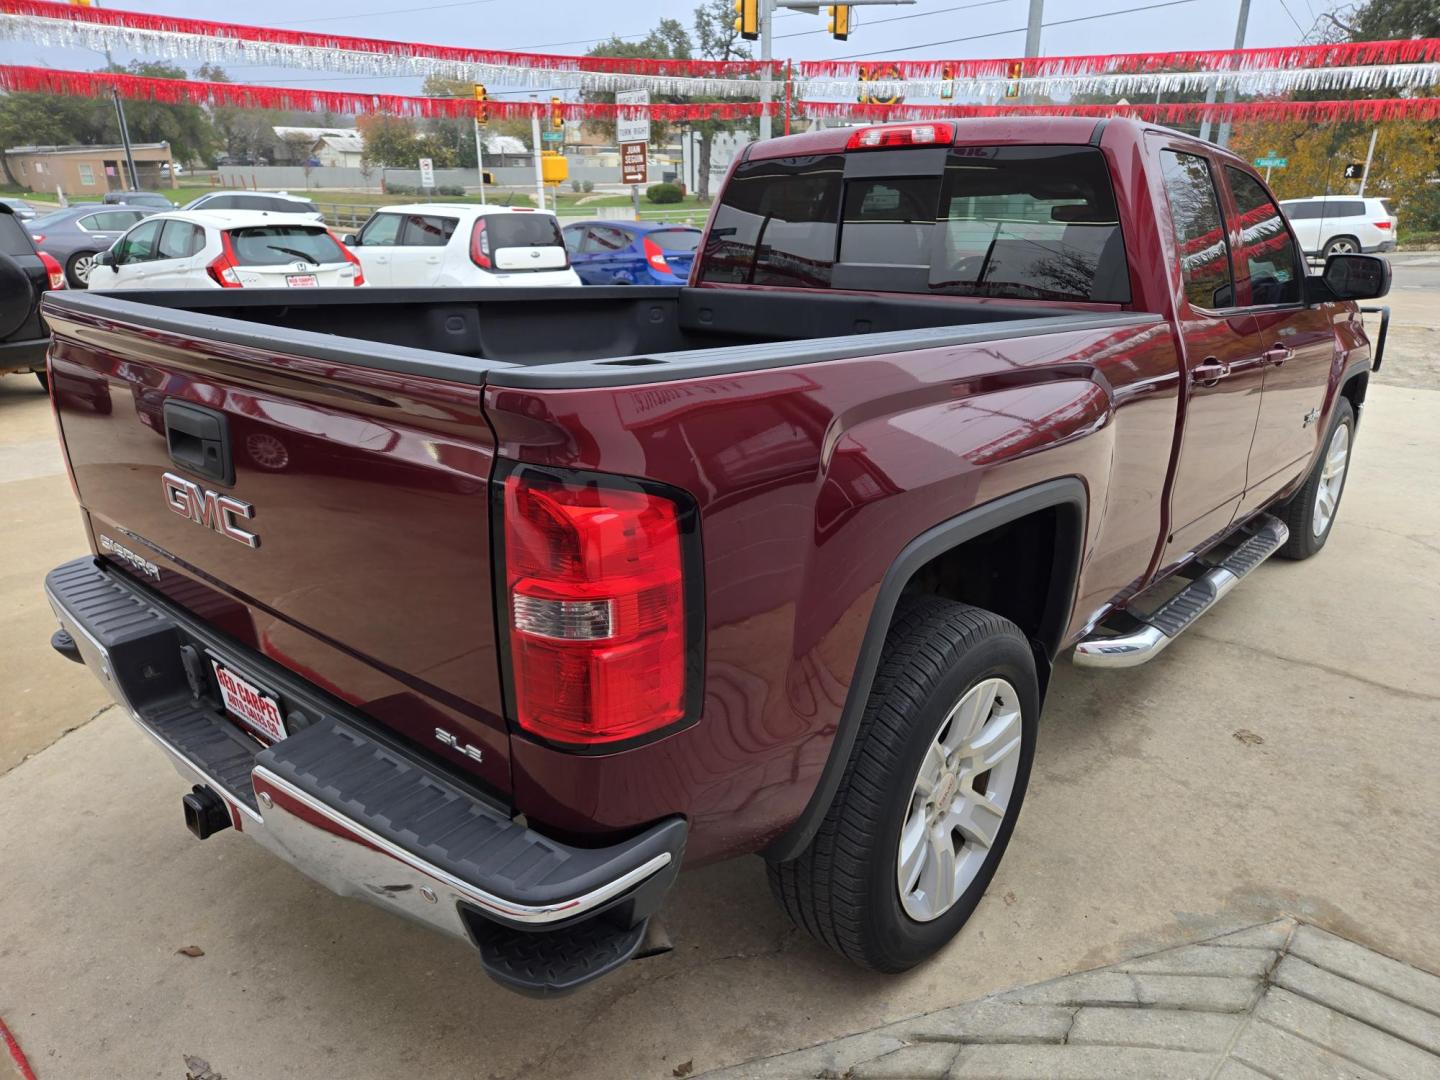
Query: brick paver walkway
point(1281, 1000)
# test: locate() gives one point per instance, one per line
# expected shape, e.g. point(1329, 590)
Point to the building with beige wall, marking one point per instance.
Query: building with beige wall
point(90, 170)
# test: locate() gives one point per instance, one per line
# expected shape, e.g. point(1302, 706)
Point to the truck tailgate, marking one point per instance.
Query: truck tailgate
point(365, 492)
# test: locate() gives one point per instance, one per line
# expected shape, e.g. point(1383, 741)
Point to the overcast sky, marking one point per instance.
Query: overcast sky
point(925, 29)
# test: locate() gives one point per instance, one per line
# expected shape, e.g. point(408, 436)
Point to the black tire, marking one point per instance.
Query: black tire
point(1299, 513)
point(44, 378)
point(72, 278)
point(17, 296)
point(842, 889)
point(1340, 244)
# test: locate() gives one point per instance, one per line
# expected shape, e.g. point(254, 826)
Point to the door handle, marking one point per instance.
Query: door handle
point(1277, 354)
point(1209, 372)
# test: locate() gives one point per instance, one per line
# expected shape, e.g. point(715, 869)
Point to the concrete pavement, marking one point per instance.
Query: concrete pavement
point(1276, 761)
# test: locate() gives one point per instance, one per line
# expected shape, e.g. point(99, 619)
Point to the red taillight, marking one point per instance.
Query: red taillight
point(351, 258)
point(654, 256)
point(878, 138)
point(223, 269)
point(53, 270)
point(480, 246)
point(596, 608)
point(1382, 224)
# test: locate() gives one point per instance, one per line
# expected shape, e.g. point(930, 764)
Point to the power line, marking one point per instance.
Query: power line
point(893, 50)
point(1292, 18)
point(900, 18)
point(392, 11)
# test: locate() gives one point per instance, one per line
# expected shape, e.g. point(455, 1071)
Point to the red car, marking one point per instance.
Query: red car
point(491, 607)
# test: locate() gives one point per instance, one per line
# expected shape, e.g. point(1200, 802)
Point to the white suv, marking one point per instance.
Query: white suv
point(430, 244)
point(276, 202)
point(226, 249)
point(1338, 224)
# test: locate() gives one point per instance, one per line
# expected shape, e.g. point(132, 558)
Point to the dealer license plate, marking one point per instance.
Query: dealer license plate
point(248, 704)
point(301, 281)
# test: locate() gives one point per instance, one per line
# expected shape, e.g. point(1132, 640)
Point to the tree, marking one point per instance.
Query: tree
point(668, 41)
point(389, 141)
point(458, 136)
point(51, 120)
point(718, 40)
point(186, 127)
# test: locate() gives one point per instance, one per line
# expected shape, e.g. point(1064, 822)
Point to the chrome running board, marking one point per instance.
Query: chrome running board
point(1177, 614)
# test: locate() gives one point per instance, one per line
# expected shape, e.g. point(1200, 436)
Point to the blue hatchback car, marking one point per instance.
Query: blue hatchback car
point(631, 252)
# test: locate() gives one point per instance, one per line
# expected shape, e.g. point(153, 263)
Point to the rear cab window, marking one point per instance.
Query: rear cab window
point(276, 245)
point(1016, 222)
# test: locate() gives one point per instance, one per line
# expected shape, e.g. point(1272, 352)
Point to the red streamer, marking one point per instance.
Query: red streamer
point(192, 92)
point(135, 20)
point(1179, 112)
point(1344, 54)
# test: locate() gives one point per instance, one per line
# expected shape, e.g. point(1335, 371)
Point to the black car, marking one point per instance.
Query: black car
point(151, 199)
point(25, 276)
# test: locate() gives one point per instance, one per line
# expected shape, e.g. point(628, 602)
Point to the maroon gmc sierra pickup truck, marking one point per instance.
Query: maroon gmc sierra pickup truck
point(491, 606)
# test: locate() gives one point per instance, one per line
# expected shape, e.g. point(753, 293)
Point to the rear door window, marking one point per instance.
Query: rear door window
point(1199, 230)
point(180, 240)
point(14, 240)
point(276, 245)
point(424, 230)
point(604, 240)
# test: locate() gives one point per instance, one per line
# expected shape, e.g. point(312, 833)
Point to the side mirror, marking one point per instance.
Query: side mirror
point(350, 240)
point(105, 258)
point(1353, 277)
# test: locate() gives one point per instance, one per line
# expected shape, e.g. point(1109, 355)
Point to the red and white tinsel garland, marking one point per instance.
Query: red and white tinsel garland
point(174, 37)
point(1262, 82)
point(1359, 109)
point(194, 92)
point(1343, 54)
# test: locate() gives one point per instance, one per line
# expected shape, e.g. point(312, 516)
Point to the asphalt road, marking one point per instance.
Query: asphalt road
point(1277, 760)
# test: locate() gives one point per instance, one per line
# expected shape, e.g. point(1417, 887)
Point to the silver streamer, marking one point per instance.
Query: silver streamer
point(60, 33)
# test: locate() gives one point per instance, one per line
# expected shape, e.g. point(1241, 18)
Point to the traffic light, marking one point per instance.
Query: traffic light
point(1013, 71)
point(947, 82)
point(557, 113)
point(840, 21)
point(747, 19)
point(482, 109)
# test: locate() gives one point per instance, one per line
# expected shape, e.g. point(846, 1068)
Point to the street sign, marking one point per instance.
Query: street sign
point(427, 173)
point(552, 136)
point(633, 128)
point(1355, 170)
point(633, 168)
point(1271, 162)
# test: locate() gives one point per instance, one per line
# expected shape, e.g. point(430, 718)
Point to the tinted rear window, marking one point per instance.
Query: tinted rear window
point(1027, 222)
point(14, 240)
point(291, 206)
point(275, 245)
point(681, 240)
point(522, 230)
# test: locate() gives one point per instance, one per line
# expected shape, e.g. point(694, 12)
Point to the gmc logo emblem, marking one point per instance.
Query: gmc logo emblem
point(209, 508)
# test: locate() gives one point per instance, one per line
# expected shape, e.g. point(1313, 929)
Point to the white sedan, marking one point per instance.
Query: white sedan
point(429, 244)
point(226, 249)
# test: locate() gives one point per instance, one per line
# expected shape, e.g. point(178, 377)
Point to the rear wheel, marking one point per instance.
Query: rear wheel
point(1341, 245)
point(929, 798)
point(1310, 513)
point(78, 268)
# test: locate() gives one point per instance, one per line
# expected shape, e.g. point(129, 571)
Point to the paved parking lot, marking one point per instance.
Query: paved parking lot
point(1278, 761)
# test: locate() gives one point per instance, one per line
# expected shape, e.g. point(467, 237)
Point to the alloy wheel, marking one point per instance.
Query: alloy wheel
point(959, 800)
point(81, 268)
point(1332, 479)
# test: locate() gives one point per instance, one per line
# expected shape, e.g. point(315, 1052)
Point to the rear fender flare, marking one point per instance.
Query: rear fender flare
point(1069, 496)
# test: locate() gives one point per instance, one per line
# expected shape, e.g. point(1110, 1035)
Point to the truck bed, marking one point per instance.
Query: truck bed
point(598, 336)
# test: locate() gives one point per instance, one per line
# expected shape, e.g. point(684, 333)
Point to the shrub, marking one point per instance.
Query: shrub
point(664, 193)
point(588, 186)
point(450, 190)
point(575, 186)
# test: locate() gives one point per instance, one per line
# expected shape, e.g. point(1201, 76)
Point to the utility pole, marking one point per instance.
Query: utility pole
point(125, 141)
point(1032, 36)
point(1224, 139)
point(765, 14)
point(1369, 156)
point(539, 170)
